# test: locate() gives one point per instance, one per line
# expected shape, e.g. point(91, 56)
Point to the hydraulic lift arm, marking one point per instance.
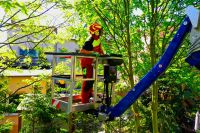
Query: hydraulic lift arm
point(191, 21)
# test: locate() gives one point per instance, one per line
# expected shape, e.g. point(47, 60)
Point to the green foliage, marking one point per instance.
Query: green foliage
point(62, 68)
point(5, 127)
point(6, 57)
point(41, 116)
point(30, 27)
point(177, 100)
point(157, 22)
point(85, 122)
point(5, 107)
point(126, 32)
point(8, 108)
point(178, 96)
point(8, 5)
point(3, 88)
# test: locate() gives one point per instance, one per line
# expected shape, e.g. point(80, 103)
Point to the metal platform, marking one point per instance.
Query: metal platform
point(72, 103)
point(62, 104)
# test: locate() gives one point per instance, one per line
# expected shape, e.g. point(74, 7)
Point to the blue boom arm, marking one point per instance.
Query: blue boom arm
point(154, 73)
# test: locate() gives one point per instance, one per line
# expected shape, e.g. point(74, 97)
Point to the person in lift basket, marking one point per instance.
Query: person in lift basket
point(91, 46)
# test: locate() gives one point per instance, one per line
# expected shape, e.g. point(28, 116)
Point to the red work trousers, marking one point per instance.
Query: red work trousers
point(87, 86)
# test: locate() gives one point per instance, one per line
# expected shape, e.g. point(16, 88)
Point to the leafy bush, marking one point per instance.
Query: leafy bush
point(41, 117)
point(86, 123)
point(6, 126)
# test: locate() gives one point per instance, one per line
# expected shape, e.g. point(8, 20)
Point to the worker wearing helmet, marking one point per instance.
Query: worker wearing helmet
point(91, 46)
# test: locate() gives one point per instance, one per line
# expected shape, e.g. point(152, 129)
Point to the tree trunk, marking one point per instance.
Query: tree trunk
point(154, 107)
point(130, 63)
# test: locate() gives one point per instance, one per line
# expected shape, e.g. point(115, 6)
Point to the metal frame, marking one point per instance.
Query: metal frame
point(68, 106)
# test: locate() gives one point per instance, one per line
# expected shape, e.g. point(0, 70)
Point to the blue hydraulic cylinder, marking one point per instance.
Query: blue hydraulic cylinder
point(154, 73)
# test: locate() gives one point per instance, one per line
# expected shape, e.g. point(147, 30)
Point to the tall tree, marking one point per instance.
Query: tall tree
point(141, 31)
point(29, 25)
point(116, 18)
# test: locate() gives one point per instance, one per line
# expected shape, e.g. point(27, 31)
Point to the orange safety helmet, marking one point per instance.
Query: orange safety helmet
point(94, 27)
